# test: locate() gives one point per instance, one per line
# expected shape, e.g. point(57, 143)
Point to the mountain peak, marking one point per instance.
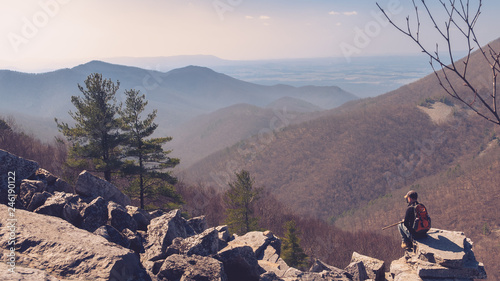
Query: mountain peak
point(193, 69)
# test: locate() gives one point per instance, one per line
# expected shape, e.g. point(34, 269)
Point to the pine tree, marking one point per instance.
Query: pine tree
point(239, 200)
point(146, 158)
point(95, 137)
point(291, 252)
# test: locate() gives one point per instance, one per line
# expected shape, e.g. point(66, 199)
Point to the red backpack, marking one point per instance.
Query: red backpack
point(422, 222)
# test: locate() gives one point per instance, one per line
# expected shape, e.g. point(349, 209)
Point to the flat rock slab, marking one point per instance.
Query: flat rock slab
point(429, 270)
point(63, 251)
point(446, 248)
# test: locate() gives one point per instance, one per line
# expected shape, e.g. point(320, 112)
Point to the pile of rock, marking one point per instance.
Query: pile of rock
point(442, 255)
point(90, 232)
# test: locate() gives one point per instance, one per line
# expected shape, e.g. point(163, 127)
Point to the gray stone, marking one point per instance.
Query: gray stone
point(442, 255)
point(279, 267)
point(258, 241)
point(44, 175)
point(28, 189)
point(62, 186)
point(375, 268)
point(357, 270)
point(224, 234)
point(321, 276)
point(112, 235)
point(71, 212)
point(141, 217)
point(94, 215)
point(119, 217)
point(407, 276)
point(161, 232)
point(191, 268)
point(400, 266)
point(432, 270)
point(66, 252)
point(270, 254)
point(156, 213)
point(203, 244)
point(320, 266)
point(88, 185)
point(292, 272)
point(269, 276)
point(54, 205)
point(446, 248)
point(240, 263)
point(37, 200)
point(13, 168)
point(135, 241)
point(198, 224)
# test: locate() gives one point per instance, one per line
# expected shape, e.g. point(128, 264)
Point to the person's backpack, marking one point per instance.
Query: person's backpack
point(422, 222)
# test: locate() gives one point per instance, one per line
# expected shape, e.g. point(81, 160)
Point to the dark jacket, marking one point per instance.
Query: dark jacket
point(410, 217)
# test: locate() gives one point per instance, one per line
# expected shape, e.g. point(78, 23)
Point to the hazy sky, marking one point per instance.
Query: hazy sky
point(48, 33)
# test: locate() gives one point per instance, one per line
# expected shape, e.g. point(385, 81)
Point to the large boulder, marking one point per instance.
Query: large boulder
point(161, 232)
point(198, 224)
point(258, 241)
point(320, 266)
point(63, 205)
point(28, 188)
point(119, 217)
point(66, 252)
point(240, 263)
point(141, 217)
point(13, 169)
point(203, 244)
point(112, 235)
point(95, 214)
point(375, 268)
point(134, 240)
point(38, 200)
point(191, 268)
point(53, 183)
point(441, 254)
point(88, 185)
point(357, 271)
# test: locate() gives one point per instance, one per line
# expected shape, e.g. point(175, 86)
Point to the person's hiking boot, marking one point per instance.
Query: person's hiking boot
point(408, 246)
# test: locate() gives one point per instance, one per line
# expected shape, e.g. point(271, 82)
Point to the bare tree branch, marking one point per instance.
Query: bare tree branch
point(462, 17)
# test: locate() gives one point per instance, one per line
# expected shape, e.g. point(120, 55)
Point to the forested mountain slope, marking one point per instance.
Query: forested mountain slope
point(361, 151)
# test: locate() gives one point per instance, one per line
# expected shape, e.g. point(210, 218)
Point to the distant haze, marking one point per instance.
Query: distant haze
point(49, 34)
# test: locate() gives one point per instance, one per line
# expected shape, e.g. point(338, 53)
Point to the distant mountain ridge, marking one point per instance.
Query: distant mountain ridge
point(357, 152)
point(179, 94)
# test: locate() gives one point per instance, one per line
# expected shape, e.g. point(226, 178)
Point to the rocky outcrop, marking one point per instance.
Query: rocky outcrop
point(64, 251)
point(441, 255)
point(90, 236)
